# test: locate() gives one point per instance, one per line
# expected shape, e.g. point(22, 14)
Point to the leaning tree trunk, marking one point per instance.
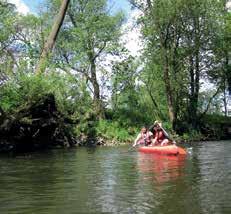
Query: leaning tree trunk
point(47, 49)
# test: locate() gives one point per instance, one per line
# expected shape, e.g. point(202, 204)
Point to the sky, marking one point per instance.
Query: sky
point(28, 6)
point(33, 5)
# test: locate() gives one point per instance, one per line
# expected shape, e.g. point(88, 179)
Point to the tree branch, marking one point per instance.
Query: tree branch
point(100, 51)
point(210, 101)
point(79, 70)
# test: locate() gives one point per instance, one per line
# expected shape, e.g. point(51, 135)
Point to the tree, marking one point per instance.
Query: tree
point(130, 99)
point(52, 36)
point(222, 45)
point(89, 36)
point(179, 36)
point(7, 27)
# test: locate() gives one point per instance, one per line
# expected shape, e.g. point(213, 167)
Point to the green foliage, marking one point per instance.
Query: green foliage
point(112, 130)
point(189, 40)
point(215, 105)
point(8, 17)
point(31, 36)
point(182, 40)
point(87, 123)
point(154, 91)
point(192, 135)
point(216, 126)
point(216, 119)
point(89, 32)
point(7, 20)
point(26, 89)
point(129, 99)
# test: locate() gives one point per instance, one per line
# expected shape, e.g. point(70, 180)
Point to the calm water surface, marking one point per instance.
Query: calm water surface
point(117, 180)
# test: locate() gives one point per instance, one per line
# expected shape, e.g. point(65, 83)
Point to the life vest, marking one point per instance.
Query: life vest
point(160, 136)
point(146, 137)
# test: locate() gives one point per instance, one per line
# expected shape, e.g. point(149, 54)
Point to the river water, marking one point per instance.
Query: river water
point(117, 180)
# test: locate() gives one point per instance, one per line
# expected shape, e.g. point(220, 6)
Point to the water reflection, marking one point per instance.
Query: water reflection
point(116, 180)
point(29, 182)
point(161, 168)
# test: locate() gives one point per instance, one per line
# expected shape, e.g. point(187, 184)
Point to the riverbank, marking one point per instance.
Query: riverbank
point(41, 112)
point(57, 132)
point(42, 126)
point(39, 124)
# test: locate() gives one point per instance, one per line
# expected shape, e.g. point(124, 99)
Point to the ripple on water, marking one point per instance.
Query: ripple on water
point(116, 180)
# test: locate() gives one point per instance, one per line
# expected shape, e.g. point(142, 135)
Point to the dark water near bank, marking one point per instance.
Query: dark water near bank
point(116, 180)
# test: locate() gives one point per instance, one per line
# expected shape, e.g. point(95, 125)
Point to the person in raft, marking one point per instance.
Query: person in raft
point(160, 137)
point(144, 138)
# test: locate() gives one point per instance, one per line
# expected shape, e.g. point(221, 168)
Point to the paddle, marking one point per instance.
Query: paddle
point(135, 146)
point(167, 135)
point(131, 148)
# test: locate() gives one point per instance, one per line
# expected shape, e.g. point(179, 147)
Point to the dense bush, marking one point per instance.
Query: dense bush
point(216, 126)
point(27, 88)
point(72, 100)
point(112, 130)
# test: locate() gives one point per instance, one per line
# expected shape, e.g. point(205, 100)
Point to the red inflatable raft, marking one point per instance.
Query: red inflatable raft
point(166, 150)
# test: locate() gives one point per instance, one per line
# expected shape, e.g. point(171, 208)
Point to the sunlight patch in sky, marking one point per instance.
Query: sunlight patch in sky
point(21, 6)
point(228, 5)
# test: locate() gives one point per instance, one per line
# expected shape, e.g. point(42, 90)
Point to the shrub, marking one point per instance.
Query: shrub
point(113, 130)
point(27, 88)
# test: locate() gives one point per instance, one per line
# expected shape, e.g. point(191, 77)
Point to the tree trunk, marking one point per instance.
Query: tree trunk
point(194, 90)
point(47, 49)
point(168, 89)
point(225, 100)
point(194, 77)
point(224, 80)
point(197, 80)
point(96, 92)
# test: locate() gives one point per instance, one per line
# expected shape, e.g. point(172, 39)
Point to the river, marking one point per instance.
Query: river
point(117, 180)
